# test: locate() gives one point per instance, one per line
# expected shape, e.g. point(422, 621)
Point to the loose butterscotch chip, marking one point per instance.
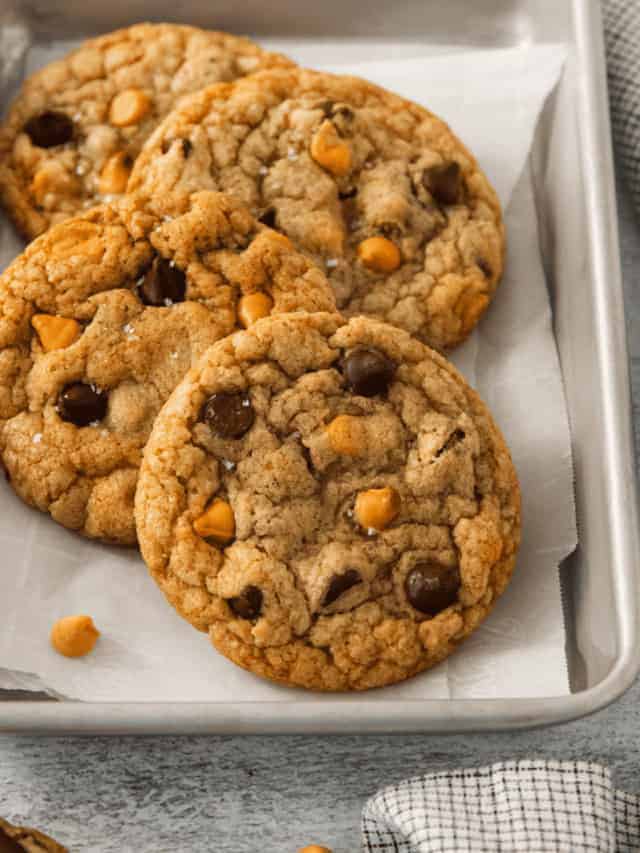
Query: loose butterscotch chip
point(55, 332)
point(74, 636)
point(217, 522)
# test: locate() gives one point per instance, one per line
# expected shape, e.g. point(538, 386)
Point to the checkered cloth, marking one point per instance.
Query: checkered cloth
point(529, 806)
point(622, 32)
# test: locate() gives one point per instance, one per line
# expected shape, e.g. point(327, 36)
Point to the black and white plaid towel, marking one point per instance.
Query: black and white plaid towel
point(529, 806)
point(622, 31)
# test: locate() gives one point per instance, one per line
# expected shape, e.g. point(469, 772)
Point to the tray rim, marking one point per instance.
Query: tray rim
point(451, 715)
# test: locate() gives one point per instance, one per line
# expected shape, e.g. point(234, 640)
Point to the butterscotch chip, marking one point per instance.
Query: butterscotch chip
point(379, 254)
point(375, 509)
point(115, 174)
point(100, 318)
point(346, 570)
point(376, 189)
point(347, 435)
point(76, 114)
point(329, 151)
point(129, 107)
point(74, 636)
point(51, 182)
point(252, 307)
point(55, 332)
point(216, 523)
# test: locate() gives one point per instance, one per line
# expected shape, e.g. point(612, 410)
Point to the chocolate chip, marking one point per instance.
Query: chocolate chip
point(333, 110)
point(484, 267)
point(8, 844)
point(444, 182)
point(327, 108)
point(431, 588)
point(339, 584)
point(368, 372)
point(163, 284)
point(229, 414)
point(82, 404)
point(49, 129)
point(268, 218)
point(248, 604)
point(350, 193)
point(166, 145)
point(187, 147)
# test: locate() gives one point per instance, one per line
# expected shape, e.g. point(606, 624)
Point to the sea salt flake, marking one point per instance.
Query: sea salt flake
point(371, 531)
point(331, 263)
point(173, 355)
point(292, 154)
point(168, 302)
point(95, 423)
point(37, 438)
point(263, 170)
point(228, 465)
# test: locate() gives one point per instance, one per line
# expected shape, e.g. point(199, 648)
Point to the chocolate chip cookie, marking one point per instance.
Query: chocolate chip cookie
point(101, 317)
point(75, 129)
point(376, 189)
point(18, 839)
point(330, 501)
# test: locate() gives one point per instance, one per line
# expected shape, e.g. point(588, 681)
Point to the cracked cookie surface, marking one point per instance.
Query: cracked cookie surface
point(16, 839)
point(374, 188)
point(330, 501)
point(73, 133)
point(101, 317)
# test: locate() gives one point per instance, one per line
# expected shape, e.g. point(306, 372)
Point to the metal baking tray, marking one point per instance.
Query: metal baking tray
point(575, 200)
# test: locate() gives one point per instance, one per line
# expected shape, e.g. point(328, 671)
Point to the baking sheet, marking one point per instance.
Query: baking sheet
point(511, 360)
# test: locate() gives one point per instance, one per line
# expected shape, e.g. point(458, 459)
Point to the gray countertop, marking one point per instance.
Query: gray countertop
point(273, 795)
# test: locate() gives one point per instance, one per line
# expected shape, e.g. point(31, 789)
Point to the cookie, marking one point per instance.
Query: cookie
point(18, 839)
point(376, 189)
point(101, 317)
point(74, 131)
point(330, 501)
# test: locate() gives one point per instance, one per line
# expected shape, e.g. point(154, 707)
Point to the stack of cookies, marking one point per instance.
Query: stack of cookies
point(224, 346)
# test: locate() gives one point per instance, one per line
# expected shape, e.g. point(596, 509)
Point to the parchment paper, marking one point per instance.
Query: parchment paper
point(146, 652)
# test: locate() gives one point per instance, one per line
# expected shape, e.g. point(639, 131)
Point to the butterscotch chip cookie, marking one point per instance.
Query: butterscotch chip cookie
point(72, 135)
point(332, 565)
point(99, 320)
point(376, 189)
point(18, 839)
